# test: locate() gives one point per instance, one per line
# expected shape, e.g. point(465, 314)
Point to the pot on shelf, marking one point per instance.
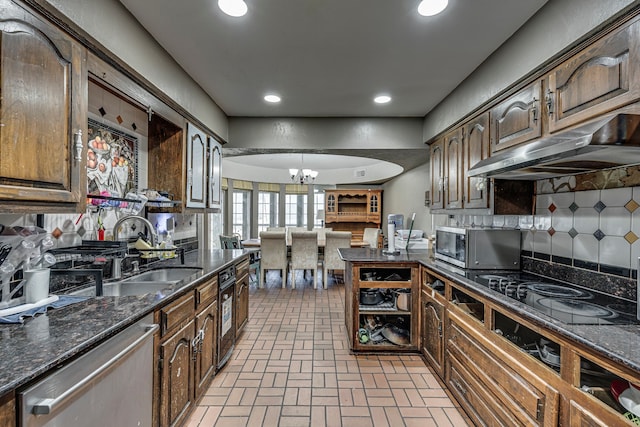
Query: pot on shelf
point(371, 296)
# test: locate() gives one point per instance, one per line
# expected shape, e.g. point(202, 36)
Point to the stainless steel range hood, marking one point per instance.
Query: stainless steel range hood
point(612, 141)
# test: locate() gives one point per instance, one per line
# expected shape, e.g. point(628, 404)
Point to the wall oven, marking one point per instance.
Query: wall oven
point(227, 319)
point(478, 248)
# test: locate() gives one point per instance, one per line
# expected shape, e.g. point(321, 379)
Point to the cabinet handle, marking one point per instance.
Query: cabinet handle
point(78, 146)
point(534, 109)
point(440, 329)
point(549, 102)
point(189, 177)
point(459, 386)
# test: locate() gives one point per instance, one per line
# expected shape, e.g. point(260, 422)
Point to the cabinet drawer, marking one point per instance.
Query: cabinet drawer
point(176, 312)
point(527, 401)
point(207, 292)
point(473, 396)
point(242, 267)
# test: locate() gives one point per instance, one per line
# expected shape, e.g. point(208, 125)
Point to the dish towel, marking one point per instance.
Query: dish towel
point(63, 300)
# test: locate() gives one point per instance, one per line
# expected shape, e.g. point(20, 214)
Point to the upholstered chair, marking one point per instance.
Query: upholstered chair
point(291, 230)
point(273, 250)
point(371, 236)
point(276, 229)
point(334, 240)
point(304, 254)
point(322, 232)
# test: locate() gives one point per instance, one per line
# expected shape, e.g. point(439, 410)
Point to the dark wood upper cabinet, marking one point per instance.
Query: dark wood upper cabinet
point(453, 169)
point(43, 81)
point(437, 174)
point(598, 79)
point(517, 119)
point(476, 148)
point(166, 160)
point(215, 174)
point(196, 167)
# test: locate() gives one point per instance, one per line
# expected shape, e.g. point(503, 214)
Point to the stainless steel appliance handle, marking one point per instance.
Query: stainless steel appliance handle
point(47, 406)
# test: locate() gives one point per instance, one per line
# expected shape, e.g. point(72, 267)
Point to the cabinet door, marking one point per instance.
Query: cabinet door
point(330, 209)
point(207, 331)
point(454, 176)
point(432, 335)
point(215, 175)
point(43, 82)
point(176, 376)
point(196, 167)
point(437, 174)
point(375, 208)
point(242, 302)
point(7, 410)
point(602, 77)
point(517, 119)
point(476, 148)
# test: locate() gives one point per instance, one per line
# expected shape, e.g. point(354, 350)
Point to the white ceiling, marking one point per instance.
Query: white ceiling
point(328, 58)
point(333, 169)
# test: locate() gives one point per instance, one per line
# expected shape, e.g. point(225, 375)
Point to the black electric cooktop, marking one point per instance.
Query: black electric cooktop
point(568, 303)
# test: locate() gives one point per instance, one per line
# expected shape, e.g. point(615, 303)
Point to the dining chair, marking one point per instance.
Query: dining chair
point(234, 242)
point(230, 242)
point(291, 230)
point(334, 240)
point(322, 233)
point(273, 250)
point(304, 255)
point(371, 236)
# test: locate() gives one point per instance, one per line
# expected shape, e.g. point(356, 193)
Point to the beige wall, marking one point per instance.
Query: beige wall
point(405, 195)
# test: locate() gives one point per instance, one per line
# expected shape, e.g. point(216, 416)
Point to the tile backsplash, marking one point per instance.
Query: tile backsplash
point(597, 230)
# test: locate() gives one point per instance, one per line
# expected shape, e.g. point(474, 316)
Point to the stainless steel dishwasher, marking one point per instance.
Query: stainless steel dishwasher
point(111, 385)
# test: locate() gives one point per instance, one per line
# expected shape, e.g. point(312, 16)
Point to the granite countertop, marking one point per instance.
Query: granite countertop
point(47, 340)
point(618, 343)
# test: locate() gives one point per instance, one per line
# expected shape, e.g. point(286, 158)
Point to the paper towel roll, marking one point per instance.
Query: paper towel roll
point(391, 233)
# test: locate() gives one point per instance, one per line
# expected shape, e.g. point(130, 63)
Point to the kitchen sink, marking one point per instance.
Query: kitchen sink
point(162, 280)
point(166, 275)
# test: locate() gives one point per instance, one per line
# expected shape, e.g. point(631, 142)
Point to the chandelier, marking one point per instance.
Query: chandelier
point(302, 175)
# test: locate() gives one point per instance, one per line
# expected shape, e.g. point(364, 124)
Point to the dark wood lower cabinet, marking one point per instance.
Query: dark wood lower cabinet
point(8, 410)
point(187, 353)
point(526, 398)
point(242, 296)
point(206, 351)
point(476, 400)
point(432, 336)
point(176, 376)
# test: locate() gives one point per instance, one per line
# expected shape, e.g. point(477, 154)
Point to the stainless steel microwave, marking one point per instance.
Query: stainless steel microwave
point(479, 248)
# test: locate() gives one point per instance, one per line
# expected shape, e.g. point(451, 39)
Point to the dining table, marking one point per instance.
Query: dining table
point(255, 243)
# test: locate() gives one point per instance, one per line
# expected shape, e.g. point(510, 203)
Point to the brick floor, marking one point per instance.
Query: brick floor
point(292, 367)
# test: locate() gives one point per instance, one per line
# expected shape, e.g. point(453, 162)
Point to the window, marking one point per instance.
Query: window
point(295, 210)
point(267, 210)
point(241, 213)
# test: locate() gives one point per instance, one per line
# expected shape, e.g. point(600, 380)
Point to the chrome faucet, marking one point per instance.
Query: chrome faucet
point(145, 221)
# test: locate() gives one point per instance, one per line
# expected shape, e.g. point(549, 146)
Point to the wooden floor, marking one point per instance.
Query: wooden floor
point(292, 367)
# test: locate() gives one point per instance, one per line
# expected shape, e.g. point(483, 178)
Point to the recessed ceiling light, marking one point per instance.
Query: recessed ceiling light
point(432, 7)
point(235, 8)
point(382, 99)
point(272, 98)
